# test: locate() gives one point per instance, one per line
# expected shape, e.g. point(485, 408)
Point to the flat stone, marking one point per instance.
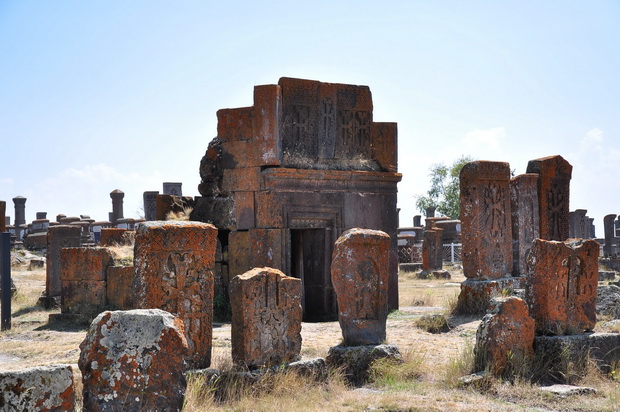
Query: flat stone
point(355, 361)
point(568, 390)
point(44, 388)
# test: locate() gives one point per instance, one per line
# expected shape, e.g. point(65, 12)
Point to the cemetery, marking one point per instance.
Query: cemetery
point(290, 283)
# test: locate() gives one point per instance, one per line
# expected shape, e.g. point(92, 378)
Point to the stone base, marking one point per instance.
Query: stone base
point(434, 274)
point(410, 267)
point(69, 318)
point(355, 361)
point(476, 294)
point(564, 358)
point(49, 302)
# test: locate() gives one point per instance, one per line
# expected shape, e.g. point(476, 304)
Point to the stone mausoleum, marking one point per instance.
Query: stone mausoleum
point(287, 176)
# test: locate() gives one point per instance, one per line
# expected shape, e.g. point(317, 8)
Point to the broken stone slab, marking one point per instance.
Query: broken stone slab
point(608, 301)
point(476, 295)
point(44, 388)
point(568, 390)
point(355, 361)
point(434, 274)
point(562, 358)
point(133, 361)
point(478, 380)
point(505, 337)
point(605, 275)
point(409, 267)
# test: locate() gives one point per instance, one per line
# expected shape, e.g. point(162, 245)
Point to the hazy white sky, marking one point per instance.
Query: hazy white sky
point(96, 96)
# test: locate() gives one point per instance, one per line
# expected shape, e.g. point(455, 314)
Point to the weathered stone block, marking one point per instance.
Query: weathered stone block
point(266, 318)
point(525, 218)
point(83, 297)
point(554, 174)
point(44, 388)
point(432, 250)
point(355, 361)
point(256, 248)
point(85, 263)
point(173, 262)
point(244, 210)
point(360, 279)
point(119, 287)
point(384, 145)
point(505, 337)
point(134, 361)
point(267, 119)
point(234, 124)
point(113, 237)
point(58, 237)
point(245, 179)
point(485, 218)
point(476, 294)
point(561, 285)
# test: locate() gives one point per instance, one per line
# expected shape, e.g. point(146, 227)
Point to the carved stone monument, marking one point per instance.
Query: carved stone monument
point(289, 174)
point(561, 285)
point(360, 279)
point(554, 174)
point(173, 188)
point(58, 237)
point(432, 250)
point(525, 218)
point(174, 262)
point(150, 205)
point(486, 220)
point(610, 235)
point(266, 318)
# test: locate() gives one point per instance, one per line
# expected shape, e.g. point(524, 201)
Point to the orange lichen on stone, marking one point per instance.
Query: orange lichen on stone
point(561, 285)
point(360, 278)
point(266, 318)
point(505, 337)
point(486, 220)
point(134, 361)
point(174, 262)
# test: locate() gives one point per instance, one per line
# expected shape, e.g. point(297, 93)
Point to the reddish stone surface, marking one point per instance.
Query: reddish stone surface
point(244, 210)
point(554, 174)
point(119, 287)
point(266, 318)
point(174, 262)
point(58, 237)
point(505, 337)
point(43, 388)
point(525, 218)
point(476, 294)
point(266, 127)
point(486, 220)
point(85, 263)
point(561, 285)
point(134, 361)
point(256, 248)
point(245, 179)
point(360, 278)
point(113, 237)
point(432, 250)
point(83, 297)
point(384, 147)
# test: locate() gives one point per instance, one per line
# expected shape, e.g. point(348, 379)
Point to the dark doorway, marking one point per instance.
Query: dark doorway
point(311, 259)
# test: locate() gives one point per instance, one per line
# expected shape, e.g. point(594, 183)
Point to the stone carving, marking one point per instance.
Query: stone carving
point(58, 237)
point(610, 235)
point(360, 258)
point(174, 262)
point(561, 285)
point(150, 205)
point(266, 318)
point(554, 174)
point(525, 219)
point(432, 250)
point(485, 217)
point(133, 361)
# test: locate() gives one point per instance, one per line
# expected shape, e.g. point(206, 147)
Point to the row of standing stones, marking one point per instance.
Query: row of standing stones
point(139, 359)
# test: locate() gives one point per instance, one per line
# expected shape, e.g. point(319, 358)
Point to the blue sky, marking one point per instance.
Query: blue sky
point(96, 96)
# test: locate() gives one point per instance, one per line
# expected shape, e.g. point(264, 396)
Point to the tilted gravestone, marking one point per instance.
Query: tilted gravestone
point(266, 318)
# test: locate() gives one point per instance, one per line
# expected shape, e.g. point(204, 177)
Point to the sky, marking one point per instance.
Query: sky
point(97, 96)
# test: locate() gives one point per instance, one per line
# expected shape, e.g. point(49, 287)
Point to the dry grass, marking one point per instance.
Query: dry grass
point(122, 254)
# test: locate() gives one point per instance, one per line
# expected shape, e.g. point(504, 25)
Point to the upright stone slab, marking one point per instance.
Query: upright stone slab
point(20, 215)
point(417, 221)
point(134, 361)
point(41, 389)
point(58, 237)
point(360, 278)
point(561, 285)
point(266, 318)
point(83, 279)
point(150, 205)
point(173, 188)
point(525, 218)
point(174, 262)
point(554, 174)
point(486, 220)
point(580, 224)
point(610, 234)
point(3, 222)
point(432, 250)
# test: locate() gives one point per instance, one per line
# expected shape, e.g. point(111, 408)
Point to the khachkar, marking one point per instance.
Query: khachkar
point(610, 234)
point(289, 174)
point(486, 220)
point(554, 174)
point(525, 218)
point(174, 262)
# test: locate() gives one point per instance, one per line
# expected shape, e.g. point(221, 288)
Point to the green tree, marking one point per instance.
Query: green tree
point(444, 191)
